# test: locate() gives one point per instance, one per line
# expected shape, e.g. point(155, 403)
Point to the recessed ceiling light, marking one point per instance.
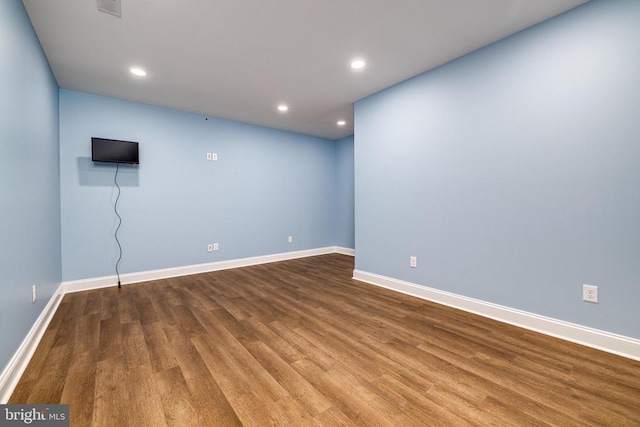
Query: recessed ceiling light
point(357, 64)
point(138, 71)
point(341, 123)
point(282, 107)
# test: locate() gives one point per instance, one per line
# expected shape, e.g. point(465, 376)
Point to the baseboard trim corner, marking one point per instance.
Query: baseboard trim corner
point(345, 251)
point(21, 358)
point(606, 341)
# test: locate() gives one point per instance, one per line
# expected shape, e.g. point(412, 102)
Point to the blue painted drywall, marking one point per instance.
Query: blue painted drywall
point(265, 186)
point(513, 173)
point(29, 178)
point(344, 207)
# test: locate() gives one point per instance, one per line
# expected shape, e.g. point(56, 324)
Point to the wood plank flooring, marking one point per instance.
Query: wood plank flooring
point(300, 343)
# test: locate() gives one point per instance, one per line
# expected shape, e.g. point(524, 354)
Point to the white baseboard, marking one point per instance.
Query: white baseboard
point(345, 251)
point(601, 340)
point(21, 358)
point(165, 273)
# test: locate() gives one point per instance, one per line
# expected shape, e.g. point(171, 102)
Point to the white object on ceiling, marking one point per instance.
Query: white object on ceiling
point(113, 7)
point(239, 59)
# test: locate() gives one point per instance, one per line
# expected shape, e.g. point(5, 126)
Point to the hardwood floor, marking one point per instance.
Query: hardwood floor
point(300, 343)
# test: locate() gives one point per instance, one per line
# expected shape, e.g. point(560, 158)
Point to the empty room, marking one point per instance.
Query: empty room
point(291, 213)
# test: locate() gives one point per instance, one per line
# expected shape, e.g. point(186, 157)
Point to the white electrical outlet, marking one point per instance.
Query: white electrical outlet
point(215, 246)
point(413, 261)
point(210, 247)
point(290, 240)
point(209, 156)
point(589, 293)
point(33, 293)
point(214, 156)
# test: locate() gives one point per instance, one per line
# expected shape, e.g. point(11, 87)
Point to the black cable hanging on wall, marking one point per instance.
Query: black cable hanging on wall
point(115, 234)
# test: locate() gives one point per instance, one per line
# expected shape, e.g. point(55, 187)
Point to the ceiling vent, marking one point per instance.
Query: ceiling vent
point(110, 6)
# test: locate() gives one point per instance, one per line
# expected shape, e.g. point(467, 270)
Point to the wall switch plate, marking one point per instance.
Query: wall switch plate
point(589, 293)
point(210, 247)
point(209, 156)
point(290, 240)
point(33, 293)
point(413, 262)
point(215, 246)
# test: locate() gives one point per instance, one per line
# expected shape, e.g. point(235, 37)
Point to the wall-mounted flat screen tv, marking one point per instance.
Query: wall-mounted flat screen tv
point(114, 151)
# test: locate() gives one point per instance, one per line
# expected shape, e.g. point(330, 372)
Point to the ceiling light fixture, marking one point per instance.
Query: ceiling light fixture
point(341, 123)
point(138, 71)
point(357, 64)
point(282, 108)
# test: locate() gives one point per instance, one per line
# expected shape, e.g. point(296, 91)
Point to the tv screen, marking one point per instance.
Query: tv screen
point(114, 151)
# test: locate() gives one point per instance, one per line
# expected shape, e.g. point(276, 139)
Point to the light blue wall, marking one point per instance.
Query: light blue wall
point(344, 210)
point(513, 173)
point(29, 178)
point(265, 186)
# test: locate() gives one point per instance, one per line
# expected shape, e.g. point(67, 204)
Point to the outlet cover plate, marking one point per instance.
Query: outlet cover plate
point(590, 293)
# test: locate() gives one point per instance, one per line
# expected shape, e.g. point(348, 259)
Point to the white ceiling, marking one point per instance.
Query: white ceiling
point(238, 59)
